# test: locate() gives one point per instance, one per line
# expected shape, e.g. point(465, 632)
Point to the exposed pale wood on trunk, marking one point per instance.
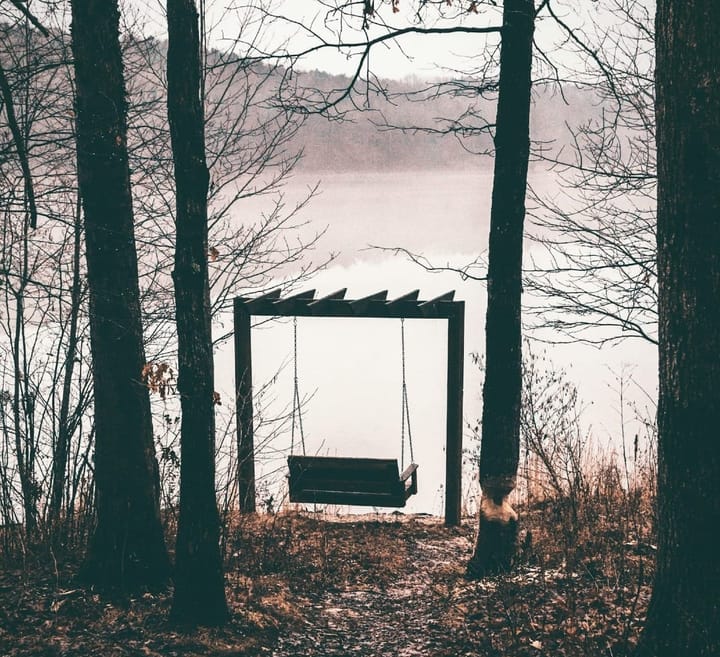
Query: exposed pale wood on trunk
point(500, 449)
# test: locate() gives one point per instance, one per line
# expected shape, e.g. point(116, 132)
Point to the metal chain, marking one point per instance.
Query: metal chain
point(296, 410)
point(405, 405)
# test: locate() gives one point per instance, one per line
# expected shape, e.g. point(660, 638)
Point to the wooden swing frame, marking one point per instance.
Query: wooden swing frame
point(377, 305)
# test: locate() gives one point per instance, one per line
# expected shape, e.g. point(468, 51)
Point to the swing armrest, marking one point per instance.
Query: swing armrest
point(407, 472)
point(410, 473)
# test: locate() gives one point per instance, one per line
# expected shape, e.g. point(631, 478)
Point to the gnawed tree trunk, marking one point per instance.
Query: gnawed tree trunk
point(500, 448)
point(199, 583)
point(684, 614)
point(127, 550)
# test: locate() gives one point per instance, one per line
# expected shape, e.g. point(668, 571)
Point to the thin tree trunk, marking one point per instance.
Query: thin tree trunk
point(127, 549)
point(23, 449)
point(199, 583)
point(500, 448)
point(62, 447)
point(684, 614)
point(23, 403)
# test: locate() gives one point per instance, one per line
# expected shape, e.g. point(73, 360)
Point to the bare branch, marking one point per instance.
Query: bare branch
point(464, 272)
point(20, 5)
point(19, 140)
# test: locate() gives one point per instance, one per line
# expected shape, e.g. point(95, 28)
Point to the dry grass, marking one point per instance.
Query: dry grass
point(305, 585)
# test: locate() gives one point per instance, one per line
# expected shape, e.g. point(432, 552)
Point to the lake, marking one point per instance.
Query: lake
point(350, 370)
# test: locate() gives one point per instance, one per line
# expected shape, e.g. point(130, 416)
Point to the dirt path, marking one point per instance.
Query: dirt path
point(396, 620)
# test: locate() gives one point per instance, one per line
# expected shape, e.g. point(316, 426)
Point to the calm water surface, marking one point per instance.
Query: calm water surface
point(350, 370)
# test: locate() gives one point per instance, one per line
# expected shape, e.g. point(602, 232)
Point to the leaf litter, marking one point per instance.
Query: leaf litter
point(373, 586)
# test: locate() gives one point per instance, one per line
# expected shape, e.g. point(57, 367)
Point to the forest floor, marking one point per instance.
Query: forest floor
point(318, 585)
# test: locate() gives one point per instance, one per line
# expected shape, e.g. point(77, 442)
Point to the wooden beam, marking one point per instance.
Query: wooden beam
point(244, 406)
point(305, 294)
point(431, 307)
point(370, 308)
point(454, 415)
point(376, 296)
point(339, 294)
point(448, 296)
point(298, 301)
point(268, 296)
point(272, 294)
point(360, 306)
point(331, 305)
point(410, 296)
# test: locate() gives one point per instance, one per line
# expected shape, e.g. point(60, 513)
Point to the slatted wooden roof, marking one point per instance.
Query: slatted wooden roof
point(378, 305)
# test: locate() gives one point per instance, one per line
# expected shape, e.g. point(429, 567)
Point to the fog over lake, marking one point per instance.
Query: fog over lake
point(350, 369)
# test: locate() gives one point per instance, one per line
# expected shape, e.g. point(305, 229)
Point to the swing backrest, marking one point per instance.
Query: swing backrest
point(354, 481)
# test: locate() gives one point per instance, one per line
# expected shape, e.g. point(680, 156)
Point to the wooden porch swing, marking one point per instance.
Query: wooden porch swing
point(350, 480)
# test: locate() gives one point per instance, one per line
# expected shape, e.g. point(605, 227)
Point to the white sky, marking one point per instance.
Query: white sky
point(302, 23)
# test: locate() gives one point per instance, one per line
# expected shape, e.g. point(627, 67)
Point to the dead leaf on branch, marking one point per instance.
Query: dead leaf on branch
point(159, 378)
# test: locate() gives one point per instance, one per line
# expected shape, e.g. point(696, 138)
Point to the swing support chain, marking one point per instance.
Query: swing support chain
point(297, 406)
point(405, 410)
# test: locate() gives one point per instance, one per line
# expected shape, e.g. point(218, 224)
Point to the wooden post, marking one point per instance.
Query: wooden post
point(244, 408)
point(454, 426)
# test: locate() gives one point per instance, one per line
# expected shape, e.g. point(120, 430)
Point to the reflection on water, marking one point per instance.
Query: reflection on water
point(350, 370)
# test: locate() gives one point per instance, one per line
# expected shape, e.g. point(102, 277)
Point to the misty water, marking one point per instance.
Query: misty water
point(350, 369)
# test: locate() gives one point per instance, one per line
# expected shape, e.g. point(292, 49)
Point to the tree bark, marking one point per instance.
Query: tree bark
point(127, 550)
point(199, 584)
point(684, 615)
point(500, 449)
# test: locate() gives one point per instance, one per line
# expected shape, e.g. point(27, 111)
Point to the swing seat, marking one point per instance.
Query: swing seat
point(352, 481)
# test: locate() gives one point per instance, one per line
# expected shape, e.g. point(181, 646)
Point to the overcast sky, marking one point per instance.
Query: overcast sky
point(302, 23)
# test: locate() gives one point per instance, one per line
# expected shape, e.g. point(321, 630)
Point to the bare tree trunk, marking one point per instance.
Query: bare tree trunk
point(500, 448)
point(199, 583)
point(65, 430)
point(23, 441)
point(127, 550)
point(24, 397)
point(684, 615)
